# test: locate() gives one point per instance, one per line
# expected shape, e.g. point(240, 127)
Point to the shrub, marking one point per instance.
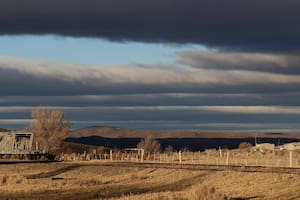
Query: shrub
point(4, 180)
point(11, 180)
point(185, 149)
point(245, 145)
point(149, 145)
point(204, 192)
point(169, 149)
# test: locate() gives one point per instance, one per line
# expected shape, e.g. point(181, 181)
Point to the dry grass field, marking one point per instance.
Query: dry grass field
point(99, 180)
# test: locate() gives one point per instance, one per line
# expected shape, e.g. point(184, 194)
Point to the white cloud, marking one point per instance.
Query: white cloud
point(260, 62)
point(207, 109)
point(15, 121)
point(137, 74)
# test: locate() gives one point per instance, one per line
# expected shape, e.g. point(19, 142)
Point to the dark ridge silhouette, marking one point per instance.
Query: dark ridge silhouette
point(3, 130)
point(117, 132)
point(273, 133)
point(193, 144)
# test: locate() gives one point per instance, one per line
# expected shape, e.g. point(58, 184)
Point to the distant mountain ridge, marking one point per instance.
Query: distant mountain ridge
point(117, 132)
point(110, 132)
point(3, 130)
point(194, 144)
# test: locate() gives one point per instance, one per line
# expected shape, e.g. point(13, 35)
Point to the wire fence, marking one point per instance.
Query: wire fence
point(276, 158)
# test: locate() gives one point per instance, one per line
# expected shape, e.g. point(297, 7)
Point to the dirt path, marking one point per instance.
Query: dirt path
point(70, 166)
point(201, 167)
point(54, 172)
point(108, 191)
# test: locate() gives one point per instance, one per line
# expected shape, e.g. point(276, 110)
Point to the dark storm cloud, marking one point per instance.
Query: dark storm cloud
point(271, 25)
point(169, 118)
point(260, 62)
point(149, 96)
point(158, 99)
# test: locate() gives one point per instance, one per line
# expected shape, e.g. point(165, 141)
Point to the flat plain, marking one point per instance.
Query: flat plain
point(113, 180)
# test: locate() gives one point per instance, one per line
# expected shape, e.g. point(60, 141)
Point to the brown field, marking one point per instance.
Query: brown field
point(112, 180)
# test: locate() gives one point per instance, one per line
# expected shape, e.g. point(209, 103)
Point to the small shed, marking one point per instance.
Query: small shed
point(292, 146)
point(16, 143)
point(264, 147)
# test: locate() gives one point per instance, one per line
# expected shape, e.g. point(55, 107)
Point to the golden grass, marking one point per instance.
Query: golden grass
point(91, 180)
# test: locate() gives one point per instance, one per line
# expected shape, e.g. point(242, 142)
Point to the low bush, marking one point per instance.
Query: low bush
point(245, 145)
point(205, 192)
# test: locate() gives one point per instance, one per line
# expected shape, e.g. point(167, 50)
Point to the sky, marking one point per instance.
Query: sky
point(205, 65)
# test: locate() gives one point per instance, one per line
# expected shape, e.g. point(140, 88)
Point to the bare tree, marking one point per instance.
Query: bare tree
point(149, 145)
point(169, 149)
point(49, 129)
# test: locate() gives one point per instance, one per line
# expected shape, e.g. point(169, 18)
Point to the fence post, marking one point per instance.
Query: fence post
point(62, 156)
point(291, 159)
point(94, 153)
point(84, 155)
point(111, 154)
point(142, 155)
point(179, 154)
point(172, 158)
point(278, 163)
point(192, 157)
point(227, 157)
point(208, 155)
point(118, 156)
point(36, 146)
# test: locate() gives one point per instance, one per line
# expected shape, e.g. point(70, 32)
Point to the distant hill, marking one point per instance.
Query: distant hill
point(110, 132)
point(3, 130)
point(114, 137)
point(194, 144)
point(116, 132)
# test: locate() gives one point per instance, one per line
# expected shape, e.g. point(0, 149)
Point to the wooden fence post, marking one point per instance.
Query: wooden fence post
point(111, 154)
point(118, 156)
point(179, 154)
point(207, 156)
point(192, 158)
point(94, 154)
point(291, 159)
point(62, 156)
point(84, 155)
point(142, 155)
point(227, 157)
